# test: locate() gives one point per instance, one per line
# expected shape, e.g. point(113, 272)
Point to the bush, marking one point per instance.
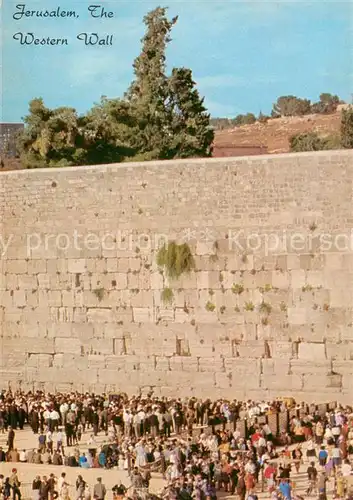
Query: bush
point(311, 141)
point(347, 128)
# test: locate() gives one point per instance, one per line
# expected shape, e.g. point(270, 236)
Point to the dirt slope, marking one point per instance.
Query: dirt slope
point(274, 135)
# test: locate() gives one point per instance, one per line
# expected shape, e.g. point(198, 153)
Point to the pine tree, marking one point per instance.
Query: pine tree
point(149, 91)
point(191, 134)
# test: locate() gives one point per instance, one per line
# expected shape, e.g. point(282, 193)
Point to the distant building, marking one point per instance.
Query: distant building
point(8, 134)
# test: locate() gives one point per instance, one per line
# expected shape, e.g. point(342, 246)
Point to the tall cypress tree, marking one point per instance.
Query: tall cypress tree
point(148, 92)
point(172, 120)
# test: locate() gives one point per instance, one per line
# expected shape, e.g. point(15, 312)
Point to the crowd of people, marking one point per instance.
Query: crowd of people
point(199, 447)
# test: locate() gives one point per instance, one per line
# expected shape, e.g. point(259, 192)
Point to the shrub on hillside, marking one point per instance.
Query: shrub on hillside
point(347, 128)
point(311, 141)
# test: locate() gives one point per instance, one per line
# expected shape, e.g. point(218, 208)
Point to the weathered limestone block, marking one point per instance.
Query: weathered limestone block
point(37, 266)
point(281, 349)
point(142, 314)
point(26, 345)
point(223, 380)
point(297, 278)
point(212, 364)
point(297, 315)
point(17, 266)
point(157, 281)
point(277, 367)
point(181, 316)
point(162, 364)
point(306, 367)
point(311, 352)
point(243, 367)
point(67, 345)
point(204, 316)
point(280, 279)
point(76, 265)
point(339, 351)
point(254, 349)
point(343, 367)
point(275, 382)
point(201, 349)
point(322, 382)
point(100, 315)
point(203, 280)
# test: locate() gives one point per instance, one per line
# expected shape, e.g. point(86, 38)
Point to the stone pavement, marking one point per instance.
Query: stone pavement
point(27, 440)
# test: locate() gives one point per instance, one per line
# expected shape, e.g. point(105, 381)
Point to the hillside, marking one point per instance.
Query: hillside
point(258, 138)
point(274, 135)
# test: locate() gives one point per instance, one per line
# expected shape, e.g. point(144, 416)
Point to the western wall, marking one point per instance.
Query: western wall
point(266, 312)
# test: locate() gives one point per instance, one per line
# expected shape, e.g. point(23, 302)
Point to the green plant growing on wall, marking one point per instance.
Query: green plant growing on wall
point(99, 293)
point(167, 296)
point(283, 307)
point(249, 306)
point(175, 259)
point(307, 288)
point(222, 309)
point(210, 307)
point(265, 308)
point(238, 289)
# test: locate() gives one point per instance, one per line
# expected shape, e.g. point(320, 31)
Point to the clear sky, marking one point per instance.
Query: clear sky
point(243, 54)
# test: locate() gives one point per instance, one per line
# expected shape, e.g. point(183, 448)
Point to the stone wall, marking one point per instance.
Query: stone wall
point(267, 311)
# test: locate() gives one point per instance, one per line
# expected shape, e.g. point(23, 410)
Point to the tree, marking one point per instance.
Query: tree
point(328, 104)
point(191, 134)
point(170, 115)
point(148, 93)
point(50, 137)
point(60, 137)
point(262, 118)
point(347, 128)
point(247, 119)
point(290, 106)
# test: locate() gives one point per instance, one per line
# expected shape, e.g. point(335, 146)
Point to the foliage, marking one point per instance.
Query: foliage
point(328, 104)
point(311, 141)
point(160, 116)
point(249, 306)
point(347, 128)
point(285, 106)
point(167, 296)
point(262, 118)
point(238, 289)
point(290, 106)
point(175, 259)
point(265, 308)
point(210, 306)
point(247, 119)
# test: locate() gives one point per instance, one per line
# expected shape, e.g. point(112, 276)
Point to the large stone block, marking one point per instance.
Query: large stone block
point(311, 352)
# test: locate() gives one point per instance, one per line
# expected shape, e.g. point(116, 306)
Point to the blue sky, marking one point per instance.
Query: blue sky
point(243, 54)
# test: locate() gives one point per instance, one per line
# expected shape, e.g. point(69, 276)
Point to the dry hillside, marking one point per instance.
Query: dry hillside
point(274, 135)
point(271, 137)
